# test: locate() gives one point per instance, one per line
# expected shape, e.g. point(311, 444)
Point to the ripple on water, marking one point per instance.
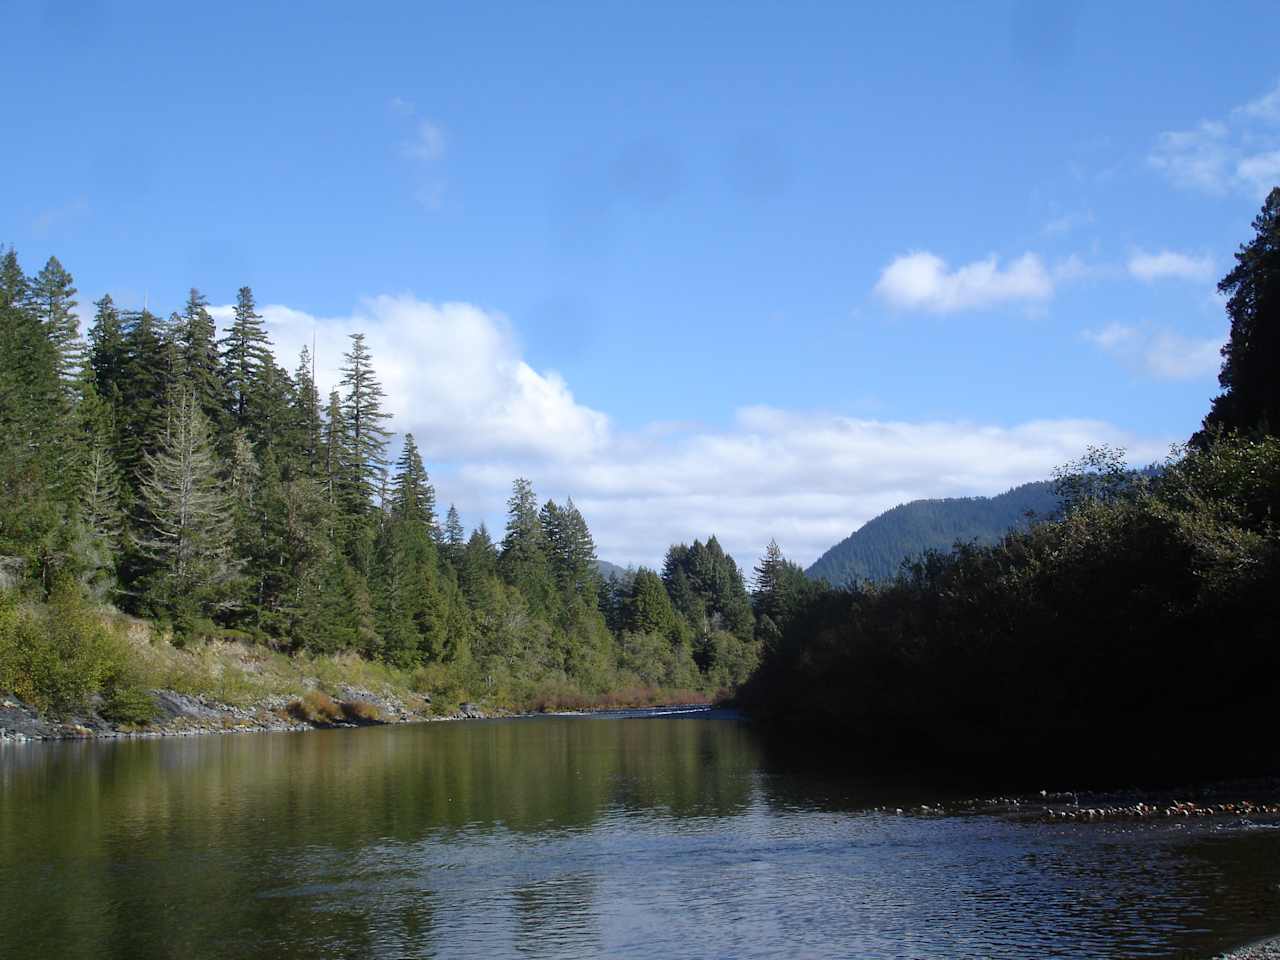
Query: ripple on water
point(618, 837)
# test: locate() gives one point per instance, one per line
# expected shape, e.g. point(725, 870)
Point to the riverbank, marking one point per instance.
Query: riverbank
point(1263, 950)
point(180, 714)
point(81, 672)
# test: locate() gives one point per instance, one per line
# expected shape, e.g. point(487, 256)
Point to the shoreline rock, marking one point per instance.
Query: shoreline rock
point(186, 715)
point(1262, 950)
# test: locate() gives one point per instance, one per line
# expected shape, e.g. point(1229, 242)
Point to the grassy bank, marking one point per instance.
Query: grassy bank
point(70, 657)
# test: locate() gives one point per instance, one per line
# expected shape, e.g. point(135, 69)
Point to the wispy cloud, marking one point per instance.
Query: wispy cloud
point(924, 281)
point(1068, 222)
point(1160, 353)
point(427, 143)
point(425, 149)
point(1240, 152)
point(54, 218)
point(1169, 264)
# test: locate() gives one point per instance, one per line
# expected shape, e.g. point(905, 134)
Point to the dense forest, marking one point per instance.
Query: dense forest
point(877, 549)
point(1142, 629)
point(188, 478)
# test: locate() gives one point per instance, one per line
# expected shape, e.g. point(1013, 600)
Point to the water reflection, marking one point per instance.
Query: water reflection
point(574, 838)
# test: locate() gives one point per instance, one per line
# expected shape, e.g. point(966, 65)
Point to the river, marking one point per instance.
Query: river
point(633, 835)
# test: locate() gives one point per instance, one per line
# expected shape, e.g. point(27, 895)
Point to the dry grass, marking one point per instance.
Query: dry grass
point(316, 707)
point(362, 711)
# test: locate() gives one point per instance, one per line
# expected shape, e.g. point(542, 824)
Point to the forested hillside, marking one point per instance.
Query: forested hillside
point(191, 479)
point(1136, 634)
point(877, 549)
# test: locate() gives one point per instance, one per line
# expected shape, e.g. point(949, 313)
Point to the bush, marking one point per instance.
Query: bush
point(362, 711)
point(57, 657)
point(1140, 626)
point(128, 705)
point(316, 707)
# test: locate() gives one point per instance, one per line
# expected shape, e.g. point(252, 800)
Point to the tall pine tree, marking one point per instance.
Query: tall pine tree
point(1250, 376)
point(188, 522)
point(53, 295)
point(364, 436)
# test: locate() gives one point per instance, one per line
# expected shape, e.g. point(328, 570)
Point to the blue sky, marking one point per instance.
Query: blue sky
point(755, 269)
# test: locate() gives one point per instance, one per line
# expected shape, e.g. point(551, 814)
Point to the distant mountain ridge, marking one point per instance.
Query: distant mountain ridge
point(875, 550)
point(607, 570)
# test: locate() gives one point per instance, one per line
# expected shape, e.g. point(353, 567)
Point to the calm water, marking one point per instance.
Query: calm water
point(574, 837)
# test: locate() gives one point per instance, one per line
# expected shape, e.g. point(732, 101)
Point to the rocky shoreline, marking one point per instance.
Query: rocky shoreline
point(1263, 950)
point(186, 715)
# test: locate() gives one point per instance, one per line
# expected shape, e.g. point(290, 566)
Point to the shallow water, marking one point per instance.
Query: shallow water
point(621, 836)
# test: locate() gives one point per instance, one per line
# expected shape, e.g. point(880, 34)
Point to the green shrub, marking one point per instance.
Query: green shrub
point(128, 705)
point(58, 656)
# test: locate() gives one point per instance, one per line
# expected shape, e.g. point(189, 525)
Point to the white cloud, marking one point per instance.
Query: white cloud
point(1114, 337)
point(1265, 107)
point(455, 376)
point(1261, 171)
point(1160, 353)
point(923, 281)
point(1169, 263)
point(805, 478)
point(1238, 153)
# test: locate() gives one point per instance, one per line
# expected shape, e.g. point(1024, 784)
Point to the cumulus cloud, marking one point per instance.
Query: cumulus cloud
point(456, 378)
point(453, 375)
point(1240, 152)
point(806, 478)
point(1170, 264)
point(924, 281)
point(1160, 353)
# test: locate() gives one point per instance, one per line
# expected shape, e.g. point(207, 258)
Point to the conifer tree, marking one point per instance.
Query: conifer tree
point(29, 387)
point(91, 486)
point(306, 404)
point(768, 577)
point(334, 453)
point(273, 420)
point(571, 550)
point(246, 357)
point(479, 566)
point(524, 561)
point(53, 295)
point(648, 609)
point(108, 352)
point(364, 436)
point(1251, 357)
point(523, 538)
point(143, 394)
point(197, 358)
point(98, 480)
point(412, 496)
point(188, 521)
point(454, 536)
point(31, 427)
